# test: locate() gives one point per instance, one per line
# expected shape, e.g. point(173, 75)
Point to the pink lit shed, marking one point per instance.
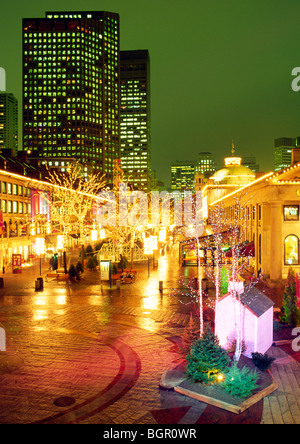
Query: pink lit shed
point(252, 314)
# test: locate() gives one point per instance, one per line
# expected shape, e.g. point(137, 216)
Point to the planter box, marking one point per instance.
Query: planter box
point(194, 391)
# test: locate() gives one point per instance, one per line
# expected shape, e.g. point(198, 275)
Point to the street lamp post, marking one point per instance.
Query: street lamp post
point(150, 244)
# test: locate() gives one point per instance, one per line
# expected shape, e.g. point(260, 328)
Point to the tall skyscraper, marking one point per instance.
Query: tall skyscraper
point(135, 118)
point(8, 122)
point(71, 100)
point(283, 151)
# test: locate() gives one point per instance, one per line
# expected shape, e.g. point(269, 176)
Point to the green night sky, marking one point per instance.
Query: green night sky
point(220, 70)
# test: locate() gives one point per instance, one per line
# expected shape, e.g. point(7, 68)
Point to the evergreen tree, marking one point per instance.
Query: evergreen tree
point(123, 263)
point(291, 312)
point(224, 281)
point(190, 335)
point(206, 359)
point(90, 263)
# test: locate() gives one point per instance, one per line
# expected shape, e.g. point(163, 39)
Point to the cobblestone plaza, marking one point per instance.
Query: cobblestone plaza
point(84, 353)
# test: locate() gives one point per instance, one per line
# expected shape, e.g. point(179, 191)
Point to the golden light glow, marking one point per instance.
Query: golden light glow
point(60, 242)
point(233, 161)
point(39, 246)
point(242, 188)
point(162, 235)
point(150, 244)
point(94, 235)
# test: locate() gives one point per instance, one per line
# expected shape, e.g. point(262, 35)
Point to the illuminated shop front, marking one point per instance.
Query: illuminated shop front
point(271, 203)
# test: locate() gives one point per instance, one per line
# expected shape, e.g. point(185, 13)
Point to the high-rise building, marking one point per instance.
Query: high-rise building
point(183, 175)
point(8, 122)
point(283, 151)
point(71, 100)
point(206, 164)
point(135, 118)
point(2, 79)
point(250, 162)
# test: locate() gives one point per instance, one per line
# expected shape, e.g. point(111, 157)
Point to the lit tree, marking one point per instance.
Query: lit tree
point(233, 221)
point(123, 212)
point(72, 199)
point(193, 228)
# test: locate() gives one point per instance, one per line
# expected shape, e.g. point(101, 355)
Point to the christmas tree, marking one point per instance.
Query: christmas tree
point(190, 335)
point(206, 359)
point(224, 281)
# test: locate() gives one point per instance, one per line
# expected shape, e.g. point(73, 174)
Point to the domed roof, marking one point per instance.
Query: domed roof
point(233, 173)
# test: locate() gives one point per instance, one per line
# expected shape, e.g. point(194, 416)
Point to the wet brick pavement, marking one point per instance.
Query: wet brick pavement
point(95, 356)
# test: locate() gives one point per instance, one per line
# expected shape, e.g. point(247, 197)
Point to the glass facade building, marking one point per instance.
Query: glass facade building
point(183, 175)
point(283, 151)
point(135, 118)
point(71, 101)
point(8, 122)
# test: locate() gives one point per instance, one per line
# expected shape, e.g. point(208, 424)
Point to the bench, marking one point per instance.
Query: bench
point(128, 280)
point(58, 275)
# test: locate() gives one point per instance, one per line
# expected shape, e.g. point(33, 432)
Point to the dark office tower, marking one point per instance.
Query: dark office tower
point(206, 164)
point(250, 162)
point(135, 118)
point(8, 122)
point(71, 88)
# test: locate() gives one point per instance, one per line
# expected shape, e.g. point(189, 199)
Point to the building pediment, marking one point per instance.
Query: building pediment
point(290, 175)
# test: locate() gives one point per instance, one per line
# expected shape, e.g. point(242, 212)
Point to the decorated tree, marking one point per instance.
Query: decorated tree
point(123, 212)
point(230, 231)
point(72, 199)
point(192, 228)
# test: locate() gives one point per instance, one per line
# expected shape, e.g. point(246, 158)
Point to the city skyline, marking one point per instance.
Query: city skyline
point(71, 88)
point(218, 72)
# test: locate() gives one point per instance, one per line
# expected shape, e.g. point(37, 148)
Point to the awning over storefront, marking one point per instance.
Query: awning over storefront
point(243, 250)
point(206, 238)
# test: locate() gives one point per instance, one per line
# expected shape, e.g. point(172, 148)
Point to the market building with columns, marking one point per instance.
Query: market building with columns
point(271, 202)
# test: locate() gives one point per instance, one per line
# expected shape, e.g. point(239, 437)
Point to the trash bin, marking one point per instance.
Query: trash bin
point(118, 284)
point(39, 284)
point(41, 281)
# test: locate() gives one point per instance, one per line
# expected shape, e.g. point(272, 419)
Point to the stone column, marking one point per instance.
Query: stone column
point(276, 252)
point(2, 339)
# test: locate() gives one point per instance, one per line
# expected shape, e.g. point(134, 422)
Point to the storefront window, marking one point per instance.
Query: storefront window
point(291, 212)
point(291, 250)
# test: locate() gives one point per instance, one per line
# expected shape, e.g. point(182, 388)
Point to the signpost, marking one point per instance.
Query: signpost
point(17, 263)
point(105, 271)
